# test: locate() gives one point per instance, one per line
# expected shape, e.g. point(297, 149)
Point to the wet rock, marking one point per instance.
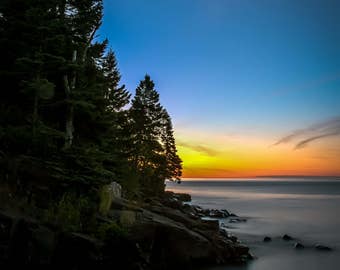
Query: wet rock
point(191, 242)
point(287, 237)
point(210, 224)
point(267, 239)
point(183, 197)
point(237, 220)
point(322, 247)
point(197, 208)
point(215, 213)
point(298, 245)
point(226, 212)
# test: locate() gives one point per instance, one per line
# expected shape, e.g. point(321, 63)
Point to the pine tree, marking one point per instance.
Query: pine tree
point(117, 141)
point(173, 170)
point(155, 154)
point(54, 86)
point(27, 30)
point(147, 149)
point(83, 18)
point(63, 111)
point(117, 96)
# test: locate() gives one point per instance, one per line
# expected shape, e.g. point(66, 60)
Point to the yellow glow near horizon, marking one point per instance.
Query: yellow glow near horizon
point(209, 156)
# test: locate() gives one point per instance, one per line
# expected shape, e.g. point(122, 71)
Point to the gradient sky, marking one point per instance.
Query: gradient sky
point(253, 87)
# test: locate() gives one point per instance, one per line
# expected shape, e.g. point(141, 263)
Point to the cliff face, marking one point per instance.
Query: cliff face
point(162, 234)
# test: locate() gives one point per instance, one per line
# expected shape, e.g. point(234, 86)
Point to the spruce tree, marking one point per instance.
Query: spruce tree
point(173, 170)
point(154, 151)
point(147, 150)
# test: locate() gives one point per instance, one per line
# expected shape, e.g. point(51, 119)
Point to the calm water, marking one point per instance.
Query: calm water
point(306, 209)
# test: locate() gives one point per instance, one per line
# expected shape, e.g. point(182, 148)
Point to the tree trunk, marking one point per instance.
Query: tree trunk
point(70, 84)
point(35, 114)
point(69, 127)
point(69, 87)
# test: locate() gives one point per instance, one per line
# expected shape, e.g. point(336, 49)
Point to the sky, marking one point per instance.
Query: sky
point(252, 86)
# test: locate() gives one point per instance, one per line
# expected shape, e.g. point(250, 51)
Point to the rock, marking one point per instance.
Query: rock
point(267, 239)
point(116, 190)
point(107, 194)
point(190, 210)
point(237, 220)
point(174, 214)
point(173, 203)
point(286, 237)
point(122, 204)
point(6, 222)
point(298, 245)
point(215, 213)
point(226, 212)
point(322, 247)
point(44, 242)
point(76, 250)
point(19, 243)
point(127, 218)
point(210, 224)
point(155, 237)
point(252, 256)
point(192, 242)
point(197, 208)
point(183, 197)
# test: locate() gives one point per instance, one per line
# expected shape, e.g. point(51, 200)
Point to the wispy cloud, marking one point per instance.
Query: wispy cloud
point(199, 148)
point(303, 137)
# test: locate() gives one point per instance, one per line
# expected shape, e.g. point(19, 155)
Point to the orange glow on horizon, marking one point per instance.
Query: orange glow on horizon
point(237, 157)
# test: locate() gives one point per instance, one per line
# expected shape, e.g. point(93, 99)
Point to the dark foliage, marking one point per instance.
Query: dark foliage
point(65, 121)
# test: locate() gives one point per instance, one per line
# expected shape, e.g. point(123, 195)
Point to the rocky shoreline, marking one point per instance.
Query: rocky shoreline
point(158, 234)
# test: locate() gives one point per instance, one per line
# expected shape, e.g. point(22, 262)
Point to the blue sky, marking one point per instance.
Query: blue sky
point(232, 66)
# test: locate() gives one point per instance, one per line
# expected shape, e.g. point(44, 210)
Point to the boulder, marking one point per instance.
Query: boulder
point(116, 190)
point(287, 237)
point(298, 245)
point(76, 250)
point(322, 247)
point(107, 194)
point(193, 244)
point(183, 197)
point(237, 220)
point(215, 213)
point(267, 239)
point(209, 224)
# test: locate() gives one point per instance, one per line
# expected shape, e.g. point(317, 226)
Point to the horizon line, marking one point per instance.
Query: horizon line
point(261, 176)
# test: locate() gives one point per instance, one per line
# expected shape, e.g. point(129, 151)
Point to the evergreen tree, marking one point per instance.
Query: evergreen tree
point(154, 155)
point(118, 97)
point(83, 19)
point(54, 86)
point(173, 162)
point(117, 141)
point(63, 112)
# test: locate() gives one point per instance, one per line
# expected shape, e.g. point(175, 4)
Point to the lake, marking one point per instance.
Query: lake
point(306, 209)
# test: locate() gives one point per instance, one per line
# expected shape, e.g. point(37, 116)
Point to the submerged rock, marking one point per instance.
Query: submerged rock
point(237, 220)
point(287, 237)
point(322, 247)
point(267, 239)
point(298, 245)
